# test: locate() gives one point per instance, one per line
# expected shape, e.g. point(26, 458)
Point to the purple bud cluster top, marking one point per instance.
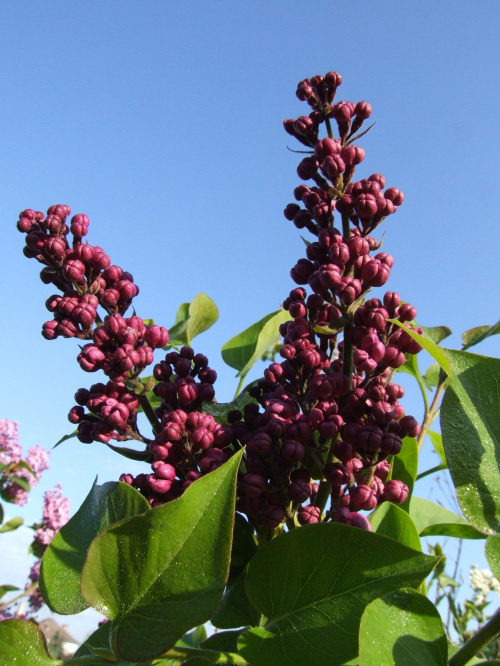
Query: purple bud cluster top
point(325, 422)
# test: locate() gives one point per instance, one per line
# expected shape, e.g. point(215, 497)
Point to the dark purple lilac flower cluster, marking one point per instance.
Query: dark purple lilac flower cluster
point(189, 443)
point(325, 422)
point(330, 411)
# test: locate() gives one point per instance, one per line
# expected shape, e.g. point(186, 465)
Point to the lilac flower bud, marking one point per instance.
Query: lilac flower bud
point(348, 290)
point(292, 451)
point(307, 168)
point(49, 330)
point(382, 470)
point(302, 271)
point(409, 427)
point(352, 155)
point(363, 498)
point(406, 312)
point(91, 358)
point(391, 444)
point(74, 270)
point(299, 490)
point(394, 195)
point(160, 486)
point(370, 437)
point(212, 459)
point(357, 520)
point(395, 491)
point(79, 225)
point(336, 474)
point(365, 206)
point(332, 166)
point(309, 515)
point(272, 516)
point(201, 438)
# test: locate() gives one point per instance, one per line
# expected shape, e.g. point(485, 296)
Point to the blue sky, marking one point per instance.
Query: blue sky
point(162, 122)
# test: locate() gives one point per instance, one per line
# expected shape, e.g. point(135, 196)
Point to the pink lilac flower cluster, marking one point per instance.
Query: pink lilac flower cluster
point(37, 460)
point(55, 515)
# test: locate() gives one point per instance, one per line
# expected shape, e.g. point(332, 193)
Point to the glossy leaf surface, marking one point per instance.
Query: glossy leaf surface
point(434, 520)
point(159, 574)
point(313, 583)
point(402, 627)
point(391, 521)
point(470, 425)
point(63, 560)
point(23, 644)
point(243, 350)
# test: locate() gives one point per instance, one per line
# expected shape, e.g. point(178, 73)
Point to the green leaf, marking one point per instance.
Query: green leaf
point(235, 610)
point(193, 318)
point(479, 333)
point(22, 643)
point(436, 352)
point(1, 514)
point(220, 410)
point(402, 627)
point(222, 641)
point(437, 442)
point(193, 638)
point(63, 560)
point(405, 467)
point(313, 583)
point(243, 547)
point(12, 524)
point(131, 454)
point(431, 376)
point(20, 482)
point(433, 520)
point(470, 425)
point(7, 588)
point(246, 348)
point(436, 334)
point(391, 521)
point(65, 437)
point(98, 643)
point(158, 574)
point(492, 552)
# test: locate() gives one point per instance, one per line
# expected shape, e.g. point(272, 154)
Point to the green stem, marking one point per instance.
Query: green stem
point(329, 128)
point(240, 385)
point(346, 227)
point(480, 639)
point(348, 349)
point(24, 593)
point(432, 412)
point(438, 468)
point(148, 410)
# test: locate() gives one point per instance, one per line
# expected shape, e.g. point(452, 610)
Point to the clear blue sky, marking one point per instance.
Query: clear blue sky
point(162, 121)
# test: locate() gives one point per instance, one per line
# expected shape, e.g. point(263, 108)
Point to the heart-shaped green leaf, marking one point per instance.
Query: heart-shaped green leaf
point(245, 349)
point(436, 334)
point(470, 425)
point(402, 627)
point(391, 521)
point(193, 318)
point(159, 574)
point(63, 560)
point(22, 643)
point(313, 583)
point(434, 520)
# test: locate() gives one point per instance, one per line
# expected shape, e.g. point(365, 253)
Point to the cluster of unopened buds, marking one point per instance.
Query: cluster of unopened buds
point(325, 422)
